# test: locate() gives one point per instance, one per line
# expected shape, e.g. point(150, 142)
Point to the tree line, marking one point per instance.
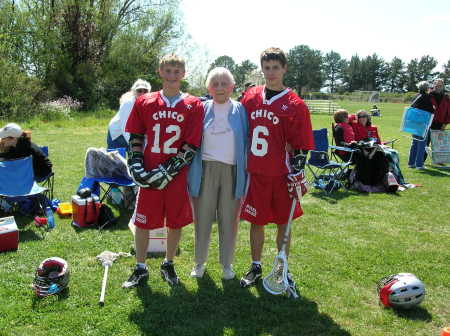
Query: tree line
point(311, 70)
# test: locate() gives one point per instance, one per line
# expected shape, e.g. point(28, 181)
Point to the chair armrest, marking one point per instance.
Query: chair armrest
point(345, 149)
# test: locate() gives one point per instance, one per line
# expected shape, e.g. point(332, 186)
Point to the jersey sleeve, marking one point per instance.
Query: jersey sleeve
point(299, 129)
point(193, 135)
point(135, 123)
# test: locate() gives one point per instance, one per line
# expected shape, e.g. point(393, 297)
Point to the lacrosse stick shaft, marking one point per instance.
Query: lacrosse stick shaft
point(102, 294)
point(288, 226)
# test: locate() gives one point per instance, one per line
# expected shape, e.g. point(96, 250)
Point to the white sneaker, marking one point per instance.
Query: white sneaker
point(198, 271)
point(228, 273)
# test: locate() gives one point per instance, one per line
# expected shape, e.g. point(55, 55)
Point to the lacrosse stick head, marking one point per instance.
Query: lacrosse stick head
point(107, 258)
point(276, 282)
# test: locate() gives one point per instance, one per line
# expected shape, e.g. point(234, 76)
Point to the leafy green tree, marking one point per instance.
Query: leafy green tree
point(425, 68)
point(333, 69)
point(242, 72)
point(353, 74)
point(412, 75)
point(225, 62)
point(395, 75)
point(445, 75)
point(304, 68)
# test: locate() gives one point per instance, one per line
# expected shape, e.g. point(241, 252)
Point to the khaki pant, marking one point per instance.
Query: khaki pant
point(216, 201)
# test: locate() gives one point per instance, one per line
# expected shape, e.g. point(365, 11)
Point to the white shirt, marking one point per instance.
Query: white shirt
point(218, 138)
point(119, 121)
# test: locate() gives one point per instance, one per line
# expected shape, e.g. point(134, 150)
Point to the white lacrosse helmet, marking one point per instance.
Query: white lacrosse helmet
point(402, 290)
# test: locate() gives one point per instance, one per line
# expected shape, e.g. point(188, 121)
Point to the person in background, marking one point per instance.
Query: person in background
point(363, 128)
point(441, 103)
point(15, 144)
point(375, 111)
point(246, 87)
point(217, 176)
point(343, 133)
point(117, 137)
point(417, 151)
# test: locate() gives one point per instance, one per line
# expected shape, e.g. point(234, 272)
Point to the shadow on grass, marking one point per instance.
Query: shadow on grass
point(229, 310)
point(337, 195)
point(41, 304)
point(416, 313)
point(436, 172)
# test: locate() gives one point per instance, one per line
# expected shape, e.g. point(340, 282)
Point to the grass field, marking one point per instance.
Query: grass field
point(341, 247)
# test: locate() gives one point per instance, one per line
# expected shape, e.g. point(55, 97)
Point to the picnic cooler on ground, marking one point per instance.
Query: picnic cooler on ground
point(85, 211)
point(157, 239)
point(9, 234)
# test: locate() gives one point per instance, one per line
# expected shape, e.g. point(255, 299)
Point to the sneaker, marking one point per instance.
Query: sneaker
point(228, 273)
point(420, 168)
point(198, 271)
point(252, 276)
point(411, 166)
point(138, 277)
point(168, 273)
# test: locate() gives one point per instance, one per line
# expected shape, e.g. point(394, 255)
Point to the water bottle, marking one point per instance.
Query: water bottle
point(116, 196)
point(50, 218)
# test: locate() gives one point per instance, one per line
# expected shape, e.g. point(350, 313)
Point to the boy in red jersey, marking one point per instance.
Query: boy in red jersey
point(278, 120)
point(165, 127)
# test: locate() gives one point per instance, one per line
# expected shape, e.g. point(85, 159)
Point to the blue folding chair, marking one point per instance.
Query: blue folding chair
point(48, 181)
point(97, 184)
point(329, 172)
point(17, 183)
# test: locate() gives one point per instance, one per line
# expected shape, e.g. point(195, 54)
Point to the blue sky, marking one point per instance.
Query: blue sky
point(243, 28)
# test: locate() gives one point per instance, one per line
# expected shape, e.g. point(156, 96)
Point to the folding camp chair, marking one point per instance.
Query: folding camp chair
point(48, 181)
point(328, 171)
point(105, 185)
point(17, 183)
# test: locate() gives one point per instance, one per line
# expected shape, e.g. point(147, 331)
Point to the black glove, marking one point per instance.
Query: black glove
point(137, 171)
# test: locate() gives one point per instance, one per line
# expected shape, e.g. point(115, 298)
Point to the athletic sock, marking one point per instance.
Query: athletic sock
point(168, 261)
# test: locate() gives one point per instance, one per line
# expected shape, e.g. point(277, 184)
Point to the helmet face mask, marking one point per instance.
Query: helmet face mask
point(402, 290)
point(52, 276)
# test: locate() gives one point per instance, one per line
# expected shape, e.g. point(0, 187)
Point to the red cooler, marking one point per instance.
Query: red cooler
point(9, 234)
point(85, 211)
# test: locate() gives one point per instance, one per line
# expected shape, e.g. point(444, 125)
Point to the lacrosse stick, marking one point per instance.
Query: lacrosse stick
point(277, 281)
point(107, 258)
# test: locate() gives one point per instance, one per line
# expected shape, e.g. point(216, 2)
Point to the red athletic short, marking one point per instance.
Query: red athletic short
point(171, 205)
point(268, 201)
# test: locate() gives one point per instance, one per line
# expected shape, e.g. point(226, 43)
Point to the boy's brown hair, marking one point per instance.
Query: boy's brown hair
point(174, 60)
point(274, 54)
point(340, 115)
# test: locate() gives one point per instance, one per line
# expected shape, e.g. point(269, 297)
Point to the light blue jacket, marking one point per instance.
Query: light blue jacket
point(239, 124)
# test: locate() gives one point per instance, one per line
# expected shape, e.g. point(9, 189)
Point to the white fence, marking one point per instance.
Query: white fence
point(322, 106)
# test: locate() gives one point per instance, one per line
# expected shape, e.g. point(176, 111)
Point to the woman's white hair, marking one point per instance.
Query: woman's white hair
point(219, 72)
point(423, 86)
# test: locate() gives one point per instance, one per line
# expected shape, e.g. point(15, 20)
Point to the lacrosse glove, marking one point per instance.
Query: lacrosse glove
point(298, 160)
point(137, 171)
point(297, 185)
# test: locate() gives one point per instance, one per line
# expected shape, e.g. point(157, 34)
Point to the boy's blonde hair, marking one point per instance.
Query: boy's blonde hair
point(340, 115)
point(174, 60)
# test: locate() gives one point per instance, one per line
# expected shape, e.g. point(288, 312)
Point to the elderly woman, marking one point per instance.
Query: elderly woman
point(217, 176)
point(117, 137)
point(15, 144)
point(363, 128)
point(417, 151)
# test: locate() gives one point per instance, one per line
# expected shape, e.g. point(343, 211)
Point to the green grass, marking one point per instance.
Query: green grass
point(341, 247)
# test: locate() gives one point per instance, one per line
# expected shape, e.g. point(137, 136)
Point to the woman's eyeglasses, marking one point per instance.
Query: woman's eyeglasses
point(141, 91)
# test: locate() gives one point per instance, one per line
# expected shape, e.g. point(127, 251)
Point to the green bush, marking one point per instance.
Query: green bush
point(18, 92)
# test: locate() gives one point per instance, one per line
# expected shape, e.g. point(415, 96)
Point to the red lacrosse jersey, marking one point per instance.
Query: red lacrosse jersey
point(274, 123)
point(166, 126)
